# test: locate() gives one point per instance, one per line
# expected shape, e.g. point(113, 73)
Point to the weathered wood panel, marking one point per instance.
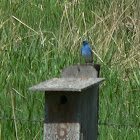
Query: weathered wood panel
point(61, 131)
point(82, 71)
point(71, 107)
point(66, 84)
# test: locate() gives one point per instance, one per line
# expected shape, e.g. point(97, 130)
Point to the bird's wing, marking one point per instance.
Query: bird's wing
point(89, 48)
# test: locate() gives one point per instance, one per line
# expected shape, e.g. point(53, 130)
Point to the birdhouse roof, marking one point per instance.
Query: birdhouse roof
point(67, 84)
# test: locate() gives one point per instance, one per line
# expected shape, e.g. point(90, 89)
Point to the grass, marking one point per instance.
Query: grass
point(39, 39)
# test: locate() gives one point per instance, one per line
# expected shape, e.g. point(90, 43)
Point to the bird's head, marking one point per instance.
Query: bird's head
point(85, 42)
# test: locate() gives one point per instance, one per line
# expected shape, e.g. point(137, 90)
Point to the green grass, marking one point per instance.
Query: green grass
point(39, 39)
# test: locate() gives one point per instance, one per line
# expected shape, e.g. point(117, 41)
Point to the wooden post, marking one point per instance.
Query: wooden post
point(71, 104)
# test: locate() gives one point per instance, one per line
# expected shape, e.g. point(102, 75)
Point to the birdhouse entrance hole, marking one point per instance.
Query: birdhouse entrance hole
point(63, 99)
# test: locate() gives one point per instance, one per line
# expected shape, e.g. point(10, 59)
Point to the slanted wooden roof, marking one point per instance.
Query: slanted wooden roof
point(66, 84)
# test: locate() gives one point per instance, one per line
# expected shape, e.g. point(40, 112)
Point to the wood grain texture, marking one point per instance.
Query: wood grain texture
point(82, 71)
point(71, 107)
point(62, 131)
point(66, 84)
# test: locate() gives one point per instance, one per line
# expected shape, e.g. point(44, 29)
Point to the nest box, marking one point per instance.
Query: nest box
point(71, 103)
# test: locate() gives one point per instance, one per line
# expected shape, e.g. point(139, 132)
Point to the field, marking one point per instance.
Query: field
point(38, 39)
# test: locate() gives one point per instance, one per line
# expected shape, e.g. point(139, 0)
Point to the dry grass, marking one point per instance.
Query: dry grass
point(39, 39)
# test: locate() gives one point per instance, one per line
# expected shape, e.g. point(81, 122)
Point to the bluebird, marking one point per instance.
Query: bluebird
point(86, 52)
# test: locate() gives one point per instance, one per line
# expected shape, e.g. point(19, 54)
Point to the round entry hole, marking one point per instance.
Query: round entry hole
point(63, 99)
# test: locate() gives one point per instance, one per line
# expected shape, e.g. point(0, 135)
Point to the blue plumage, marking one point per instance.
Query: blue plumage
point(86, 52)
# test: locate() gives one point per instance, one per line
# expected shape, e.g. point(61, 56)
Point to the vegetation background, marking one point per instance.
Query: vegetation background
point(38, 39)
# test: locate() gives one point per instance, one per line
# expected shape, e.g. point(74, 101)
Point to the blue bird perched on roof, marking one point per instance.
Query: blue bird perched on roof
point(86, 52)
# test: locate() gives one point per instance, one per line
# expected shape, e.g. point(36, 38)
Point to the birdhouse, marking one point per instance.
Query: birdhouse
point(71, 103)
